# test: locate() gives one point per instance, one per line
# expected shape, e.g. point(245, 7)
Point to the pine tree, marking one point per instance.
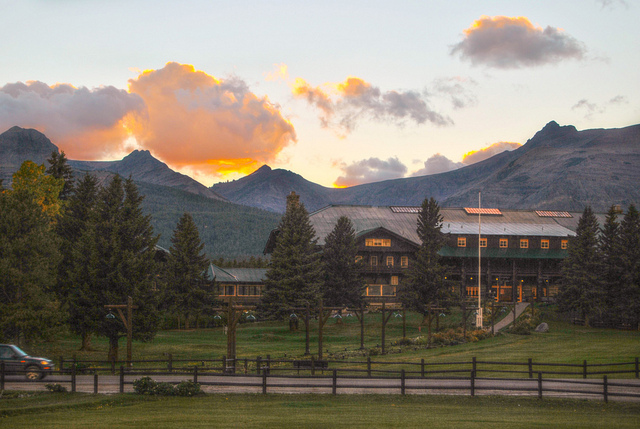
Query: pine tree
point(583, 268)
point(610, 247)
point(28, 256)
point(629, 297)
point(424, 285)
point(343, 283)
point(120, 249)
point(60, 169)
point(188, 287)
point(294, 274)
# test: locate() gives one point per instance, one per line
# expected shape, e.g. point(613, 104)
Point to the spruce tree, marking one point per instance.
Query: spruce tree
point(611, 250)
point(629, 296)
point(424, 285)
point(60, 169)
point(294, 274)
point(187, 286)
point(583, 271)
point(343, 283)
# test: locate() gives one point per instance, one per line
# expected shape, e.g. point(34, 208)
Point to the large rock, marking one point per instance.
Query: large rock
point(543, 327)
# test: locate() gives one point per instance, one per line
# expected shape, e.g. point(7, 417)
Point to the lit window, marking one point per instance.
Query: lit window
point(483, 242)
point(524, 244)
point(358, 259)
point(504, 243)
point(394, 280)
point(389, 261)
point(462, 242)
point(374, 261)
point(377, 242)
point(404, 261)
point(564, 244)
point(544, 244)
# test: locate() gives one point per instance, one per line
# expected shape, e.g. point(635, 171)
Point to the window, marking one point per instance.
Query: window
point(227, 290)
point(404, 262)
point(389, 261)
point(462, 242)
point(373, 290)
point(504, 243)
point(483, 242)
point(524, 243)
point(544, 244)
point(388, 290)
point(394, 280)
point(564, 244)
point(373, 261)
point(377, 242)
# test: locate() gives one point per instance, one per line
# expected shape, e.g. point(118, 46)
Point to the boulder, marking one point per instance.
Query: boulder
point(543, 327)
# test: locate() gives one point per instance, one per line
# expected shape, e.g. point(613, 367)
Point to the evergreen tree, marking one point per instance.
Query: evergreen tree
point(610, 247)
point(629, 297)
point(343, 283)
point(74, 276)
point(188, 287)
point(28, 256)
point(583, 268)
point(118, 262)
point(294, 274)
point(424, 285)
point(60, 169)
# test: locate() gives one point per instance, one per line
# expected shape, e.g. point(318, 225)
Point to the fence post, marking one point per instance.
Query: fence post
point(95, 383)
point(1, 375)
point(195, 374)
point(264, 382)
point(170, 363)
point(258, 364)
point(605, 387)
point(539, 385)
point(224, 364)
point(422, 368)
point(246, 366)
point(121, 379)
point(269, 364)
point(473, 383)
point(584, 369)
point(473, 364)
point(73, 378)
point(61, 363)
point(313, 366)
point(335, 382)
point(637, 368)
point(368, 366)
point(113, 366)
point(402, 381)
point(530, 368)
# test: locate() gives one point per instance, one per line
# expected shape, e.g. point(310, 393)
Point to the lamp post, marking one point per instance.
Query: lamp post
point(128, 322)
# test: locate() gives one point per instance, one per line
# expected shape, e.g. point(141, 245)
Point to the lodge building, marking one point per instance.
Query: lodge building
point(520, 250)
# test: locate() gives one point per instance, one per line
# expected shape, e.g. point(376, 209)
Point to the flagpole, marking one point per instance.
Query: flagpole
point(479, 314)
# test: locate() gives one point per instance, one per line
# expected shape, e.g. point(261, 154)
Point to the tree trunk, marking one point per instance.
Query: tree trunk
point(113, 349)
point(86, 341)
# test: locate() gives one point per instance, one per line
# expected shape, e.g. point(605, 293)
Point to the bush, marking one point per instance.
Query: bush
point(145, 386)
point(56, 388)
point(188, 388)
point(164, 389)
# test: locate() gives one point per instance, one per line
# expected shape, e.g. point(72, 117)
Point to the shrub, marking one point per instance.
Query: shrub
point(164, 389)
point(145, 386)
point(56, 388)
point(188, 388)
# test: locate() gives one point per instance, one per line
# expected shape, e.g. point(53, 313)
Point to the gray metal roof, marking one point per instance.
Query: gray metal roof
point(237, 275)
point(456, 221)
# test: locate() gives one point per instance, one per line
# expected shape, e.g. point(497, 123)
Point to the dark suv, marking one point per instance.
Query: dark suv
point(18, 362)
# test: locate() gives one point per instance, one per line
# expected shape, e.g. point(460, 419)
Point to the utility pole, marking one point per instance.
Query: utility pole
point(128, 323)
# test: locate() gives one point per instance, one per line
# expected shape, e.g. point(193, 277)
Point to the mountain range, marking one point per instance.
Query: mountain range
point(559, 168)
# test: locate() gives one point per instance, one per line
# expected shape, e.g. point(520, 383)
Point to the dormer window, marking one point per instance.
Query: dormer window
point(377, 242)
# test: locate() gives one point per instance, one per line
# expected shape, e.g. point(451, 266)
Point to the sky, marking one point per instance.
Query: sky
point(342, 93)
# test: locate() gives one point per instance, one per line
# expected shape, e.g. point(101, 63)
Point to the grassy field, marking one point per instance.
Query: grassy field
point(309, 411)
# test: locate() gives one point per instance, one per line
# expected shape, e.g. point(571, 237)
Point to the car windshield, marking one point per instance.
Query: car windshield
point(18, 351)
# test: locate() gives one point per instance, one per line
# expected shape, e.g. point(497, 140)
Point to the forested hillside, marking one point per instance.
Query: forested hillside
point(228, 230)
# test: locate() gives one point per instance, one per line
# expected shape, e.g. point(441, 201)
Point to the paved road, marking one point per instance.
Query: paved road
point(575, 388)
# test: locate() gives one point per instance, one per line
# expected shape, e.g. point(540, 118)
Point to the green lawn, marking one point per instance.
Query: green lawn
point(309, 411)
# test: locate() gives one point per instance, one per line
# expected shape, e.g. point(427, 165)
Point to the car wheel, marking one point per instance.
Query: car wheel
point(33, 373)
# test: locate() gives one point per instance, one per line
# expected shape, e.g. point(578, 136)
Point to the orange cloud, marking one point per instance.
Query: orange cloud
point(85, 123)
point(514, 42)
point(342, 105)
point(214, 126)
point(281, 72)
point(480, 155)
